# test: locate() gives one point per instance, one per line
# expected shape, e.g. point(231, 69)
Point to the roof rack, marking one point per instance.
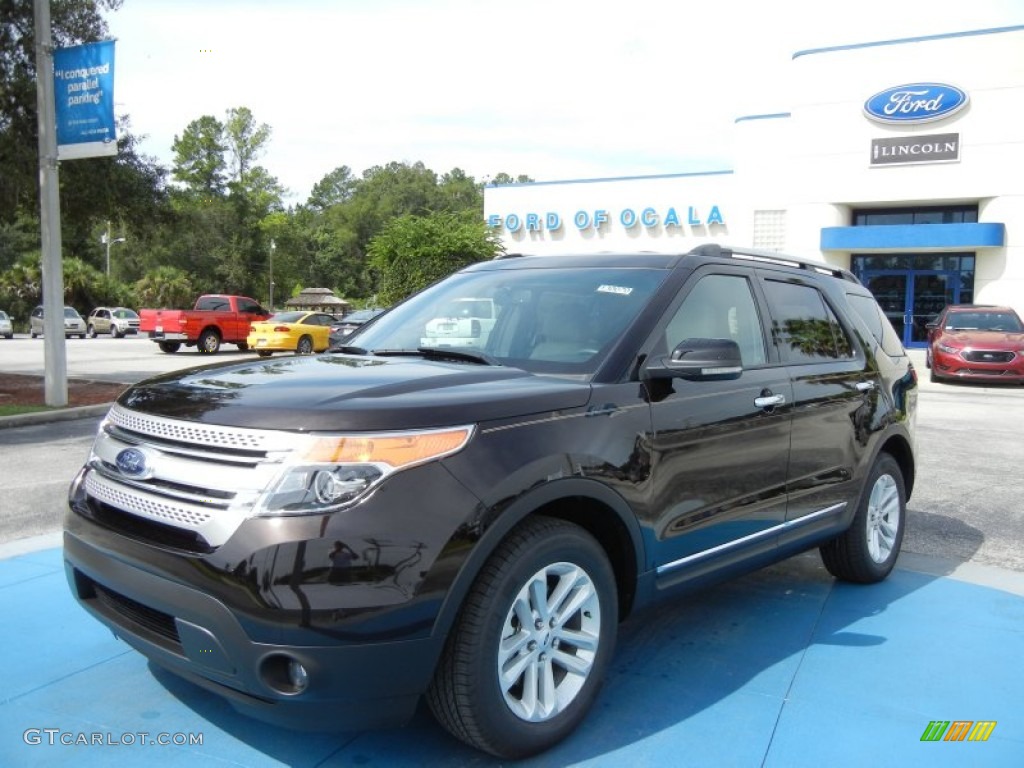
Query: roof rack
point(714, 250)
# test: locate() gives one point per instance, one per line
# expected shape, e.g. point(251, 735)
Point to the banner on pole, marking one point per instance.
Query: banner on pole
point(83, 93)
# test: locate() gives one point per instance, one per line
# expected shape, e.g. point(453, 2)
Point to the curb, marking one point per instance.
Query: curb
point(57, 414)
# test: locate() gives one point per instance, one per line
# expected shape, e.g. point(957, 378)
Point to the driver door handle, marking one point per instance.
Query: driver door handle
point(769, 401)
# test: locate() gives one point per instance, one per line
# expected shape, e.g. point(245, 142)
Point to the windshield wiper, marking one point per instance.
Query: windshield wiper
point(439, 353)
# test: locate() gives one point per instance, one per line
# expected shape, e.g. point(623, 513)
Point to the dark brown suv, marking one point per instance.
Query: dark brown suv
point(326, 540)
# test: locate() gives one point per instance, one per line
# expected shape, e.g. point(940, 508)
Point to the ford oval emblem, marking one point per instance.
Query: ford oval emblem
point(915, 103)
point(132, 462)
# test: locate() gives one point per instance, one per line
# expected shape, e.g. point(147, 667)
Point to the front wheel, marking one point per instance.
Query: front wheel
point(529, 651)
point(867, 551)
point(209, 342)
point(91, 333)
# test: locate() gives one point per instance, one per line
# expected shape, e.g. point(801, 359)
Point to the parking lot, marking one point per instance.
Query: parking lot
point(784, 667)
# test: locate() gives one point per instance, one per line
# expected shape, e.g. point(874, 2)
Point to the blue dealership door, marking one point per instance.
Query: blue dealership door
point(912, 298)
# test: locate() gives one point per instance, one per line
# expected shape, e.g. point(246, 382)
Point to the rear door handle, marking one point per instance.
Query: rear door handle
point(865, 386)
point(769, 401)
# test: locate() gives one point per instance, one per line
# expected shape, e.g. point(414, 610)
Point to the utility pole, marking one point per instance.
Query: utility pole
point(54, 351)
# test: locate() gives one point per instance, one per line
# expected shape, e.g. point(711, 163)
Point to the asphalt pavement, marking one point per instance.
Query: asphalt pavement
point(784, 667)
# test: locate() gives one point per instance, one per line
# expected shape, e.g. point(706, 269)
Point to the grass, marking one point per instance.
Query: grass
point(15, 410)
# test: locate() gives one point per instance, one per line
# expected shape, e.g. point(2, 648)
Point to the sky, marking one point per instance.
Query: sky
point(554, 89)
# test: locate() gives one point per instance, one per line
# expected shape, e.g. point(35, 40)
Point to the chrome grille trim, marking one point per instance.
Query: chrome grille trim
point(147, 505)
point(199, 434)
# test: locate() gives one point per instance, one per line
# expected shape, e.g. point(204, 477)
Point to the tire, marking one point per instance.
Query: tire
point(116, 333)
point(209, 342)
point(932, 376)
point(243, 346)
point(263, 352)
point(867, 551)
point(170, 347)
point(468, 696)
point(305, 346)
point(32, 334)
point(91, 332)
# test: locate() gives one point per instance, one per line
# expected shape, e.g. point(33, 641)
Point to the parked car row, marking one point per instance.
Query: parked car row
point(117, 321)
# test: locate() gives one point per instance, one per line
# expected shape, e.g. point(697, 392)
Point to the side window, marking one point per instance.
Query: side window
point(247, 305)
point(804, 327)
point(720, 307)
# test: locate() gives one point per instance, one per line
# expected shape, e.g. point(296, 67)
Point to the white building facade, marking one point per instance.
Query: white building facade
point(901, 160)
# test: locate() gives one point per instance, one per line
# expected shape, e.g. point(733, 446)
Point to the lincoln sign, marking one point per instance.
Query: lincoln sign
point(937, 148)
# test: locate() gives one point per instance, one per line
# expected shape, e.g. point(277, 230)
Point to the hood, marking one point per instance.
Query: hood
point(1001, 340)
point(335, 392)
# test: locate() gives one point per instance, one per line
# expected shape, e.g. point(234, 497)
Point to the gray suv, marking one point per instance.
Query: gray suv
point(74, 325)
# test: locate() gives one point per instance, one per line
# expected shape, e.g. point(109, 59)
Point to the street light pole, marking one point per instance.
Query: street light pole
point(273, 246)
point(106, 239)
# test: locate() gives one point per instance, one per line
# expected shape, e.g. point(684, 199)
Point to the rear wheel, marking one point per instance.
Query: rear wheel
point(243, 346)
point(209, 342)
point(305, 346)
point(529, 651)
point(170, 347)
point(867, 551)
point(263, 352)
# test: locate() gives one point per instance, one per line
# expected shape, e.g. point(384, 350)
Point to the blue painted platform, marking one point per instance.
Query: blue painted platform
point(782, 668)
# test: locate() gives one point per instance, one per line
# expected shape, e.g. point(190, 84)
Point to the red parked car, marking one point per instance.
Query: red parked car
point(976, 342)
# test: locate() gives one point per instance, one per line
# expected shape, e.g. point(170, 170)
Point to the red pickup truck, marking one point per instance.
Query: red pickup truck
point(216, 319)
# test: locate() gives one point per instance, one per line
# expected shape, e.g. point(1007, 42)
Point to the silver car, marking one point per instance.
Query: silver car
point(6, 329)
point(74, 325)
point(117, 321)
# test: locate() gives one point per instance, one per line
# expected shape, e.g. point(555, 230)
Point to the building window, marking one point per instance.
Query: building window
point(770, 230)
point(940, 214)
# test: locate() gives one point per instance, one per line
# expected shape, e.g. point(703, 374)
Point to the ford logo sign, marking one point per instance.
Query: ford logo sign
point(132, 462)
point(915, 103)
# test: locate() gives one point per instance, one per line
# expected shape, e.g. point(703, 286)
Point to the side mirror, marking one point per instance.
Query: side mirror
point(699, 360)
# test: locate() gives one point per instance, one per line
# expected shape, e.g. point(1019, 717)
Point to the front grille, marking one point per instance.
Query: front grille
point(137, 615)
point(987, 356)
point(201, 481)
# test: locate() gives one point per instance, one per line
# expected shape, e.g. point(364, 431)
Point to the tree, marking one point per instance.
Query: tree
point(199, 161)
point(334, 188)
point(414, 251)
point(166, 287)
point(244, 141)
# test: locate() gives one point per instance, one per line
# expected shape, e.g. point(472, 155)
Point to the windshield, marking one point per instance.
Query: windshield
point(544, 320)
point(360, 316)
point(983, 321)
point(125, 314)
point(71, 312)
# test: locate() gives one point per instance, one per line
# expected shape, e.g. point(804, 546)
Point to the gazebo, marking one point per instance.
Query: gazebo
point(319, 300)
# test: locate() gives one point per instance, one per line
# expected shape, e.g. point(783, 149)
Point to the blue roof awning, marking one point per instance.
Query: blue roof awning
point(903, 237)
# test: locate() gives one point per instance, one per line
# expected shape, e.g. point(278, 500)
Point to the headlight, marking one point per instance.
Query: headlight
point(330, 471)
point(948, 349)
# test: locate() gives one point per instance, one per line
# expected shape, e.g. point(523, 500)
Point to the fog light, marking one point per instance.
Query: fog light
point(298, 677)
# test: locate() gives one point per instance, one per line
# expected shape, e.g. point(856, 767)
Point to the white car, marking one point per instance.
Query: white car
point(6, 329)
point(464, 323)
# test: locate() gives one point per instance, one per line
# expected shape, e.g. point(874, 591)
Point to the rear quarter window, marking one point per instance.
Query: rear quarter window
point(866, 309)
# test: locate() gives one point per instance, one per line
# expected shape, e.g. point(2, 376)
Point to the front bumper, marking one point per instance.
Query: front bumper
point(955, 366)
point(197, 636)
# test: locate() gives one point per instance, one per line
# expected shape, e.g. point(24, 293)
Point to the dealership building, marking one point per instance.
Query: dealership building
point(901, 160)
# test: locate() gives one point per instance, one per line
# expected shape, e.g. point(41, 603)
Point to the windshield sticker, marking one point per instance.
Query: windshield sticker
point(619, 289)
